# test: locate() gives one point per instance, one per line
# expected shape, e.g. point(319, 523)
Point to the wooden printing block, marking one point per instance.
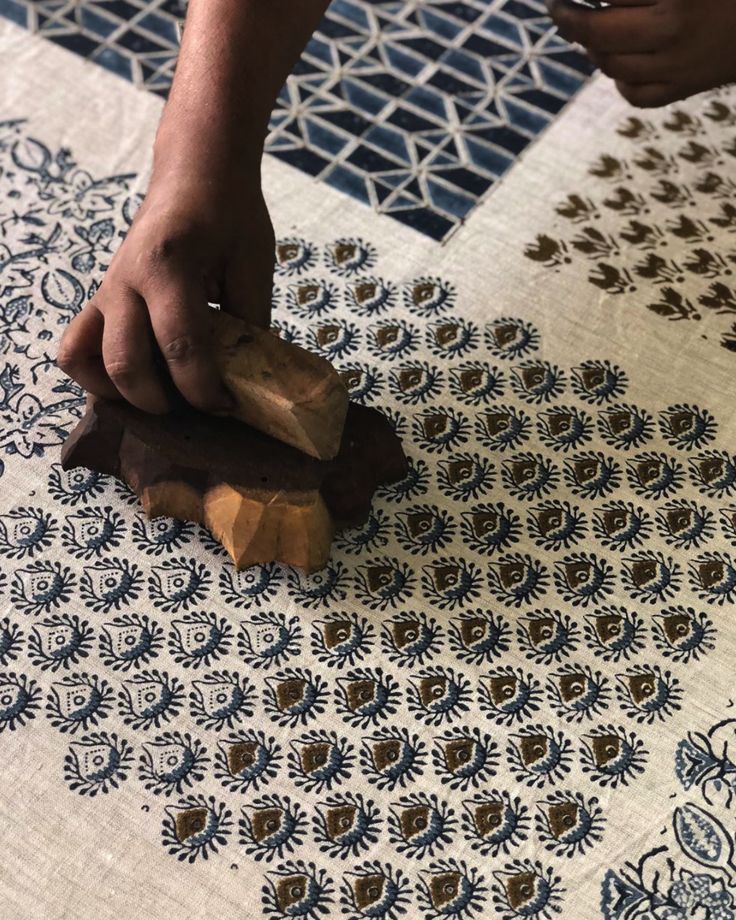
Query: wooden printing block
point(279, 388)
point(262, 499)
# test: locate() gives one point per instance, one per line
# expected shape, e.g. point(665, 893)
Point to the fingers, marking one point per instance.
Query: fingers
point(112, 355)
point(649, 95)
point(127, 353)
point(631, 2)
point(80, 353)
point(177, 306)
point(635, 69)
point(623, 28)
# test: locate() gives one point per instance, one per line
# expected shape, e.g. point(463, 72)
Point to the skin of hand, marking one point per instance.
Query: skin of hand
point(203, 233)
point(657, 51)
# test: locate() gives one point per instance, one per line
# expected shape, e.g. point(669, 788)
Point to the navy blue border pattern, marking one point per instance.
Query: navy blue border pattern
point(414, 107)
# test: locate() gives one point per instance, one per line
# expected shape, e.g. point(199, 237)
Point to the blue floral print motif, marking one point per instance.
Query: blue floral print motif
point(294, 255)
point(415, 383)
point(19, 700)
point(569, 824)
point(269, 639)
point(349, 255)
point(370, 296)
point(374, 889)
point(392, 757)
point(511, 338)
point(195, 827)
point(342, 639)
point(78, 701)
point(98, 762)
point(451, 888)
point(598, 382)
point(655, 475)
point(199, 638)
point(59, 641)
point(172, 761)
point(246, 760)
point(150, 698)
point(91, 531)
point(221, 698)
point(526, 889)
point(129, 641)
point(465, 758)
point(479, 636)
point(509, 695)
point(346, 825)
point(495, 823)
point(42, 587)
point(297, 889)
point(24, 532)
point(294, 696)
point(687, 427)
point(429, 296)
point(271, 827)
point(320, 760)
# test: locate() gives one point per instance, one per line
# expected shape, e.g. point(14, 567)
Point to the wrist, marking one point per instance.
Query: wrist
point(216, 151)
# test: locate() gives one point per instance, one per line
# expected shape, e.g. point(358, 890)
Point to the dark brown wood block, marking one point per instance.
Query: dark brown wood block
point(262, 499)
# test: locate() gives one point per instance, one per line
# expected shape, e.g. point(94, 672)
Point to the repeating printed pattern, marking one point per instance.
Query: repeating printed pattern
point(663, 222)
point(659, 884)
point(414, 107)
point(481, 667)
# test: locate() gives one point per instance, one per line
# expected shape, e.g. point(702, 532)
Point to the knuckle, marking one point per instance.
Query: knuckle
point(163, 251)
point(122, 371)
point(181, 350)
point(161, 248)
point(67, 358)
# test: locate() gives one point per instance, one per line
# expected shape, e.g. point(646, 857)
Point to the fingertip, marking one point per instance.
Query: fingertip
point(569, 21)
point(648, 95)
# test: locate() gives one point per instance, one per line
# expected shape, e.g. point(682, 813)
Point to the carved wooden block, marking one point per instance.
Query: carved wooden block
point(262, 499)
point(279, 388)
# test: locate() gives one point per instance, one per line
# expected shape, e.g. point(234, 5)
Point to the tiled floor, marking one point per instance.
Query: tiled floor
point(415, 107)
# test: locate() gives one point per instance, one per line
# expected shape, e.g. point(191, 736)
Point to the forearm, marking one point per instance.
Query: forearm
point(235, 56)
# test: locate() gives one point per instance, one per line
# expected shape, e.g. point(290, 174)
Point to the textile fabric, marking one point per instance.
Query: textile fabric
point(510, 694)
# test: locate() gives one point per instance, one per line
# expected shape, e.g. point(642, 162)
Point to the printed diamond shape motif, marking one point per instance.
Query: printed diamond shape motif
point(379, 91)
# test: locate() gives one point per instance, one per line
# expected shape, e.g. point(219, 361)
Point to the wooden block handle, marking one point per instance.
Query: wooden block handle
point(279, 388)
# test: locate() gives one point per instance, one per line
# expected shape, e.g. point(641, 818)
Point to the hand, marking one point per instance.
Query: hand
point(194, 239)
point(657, 51)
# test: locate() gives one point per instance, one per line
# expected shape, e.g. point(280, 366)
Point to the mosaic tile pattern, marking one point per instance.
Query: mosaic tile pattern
point(414, 107)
